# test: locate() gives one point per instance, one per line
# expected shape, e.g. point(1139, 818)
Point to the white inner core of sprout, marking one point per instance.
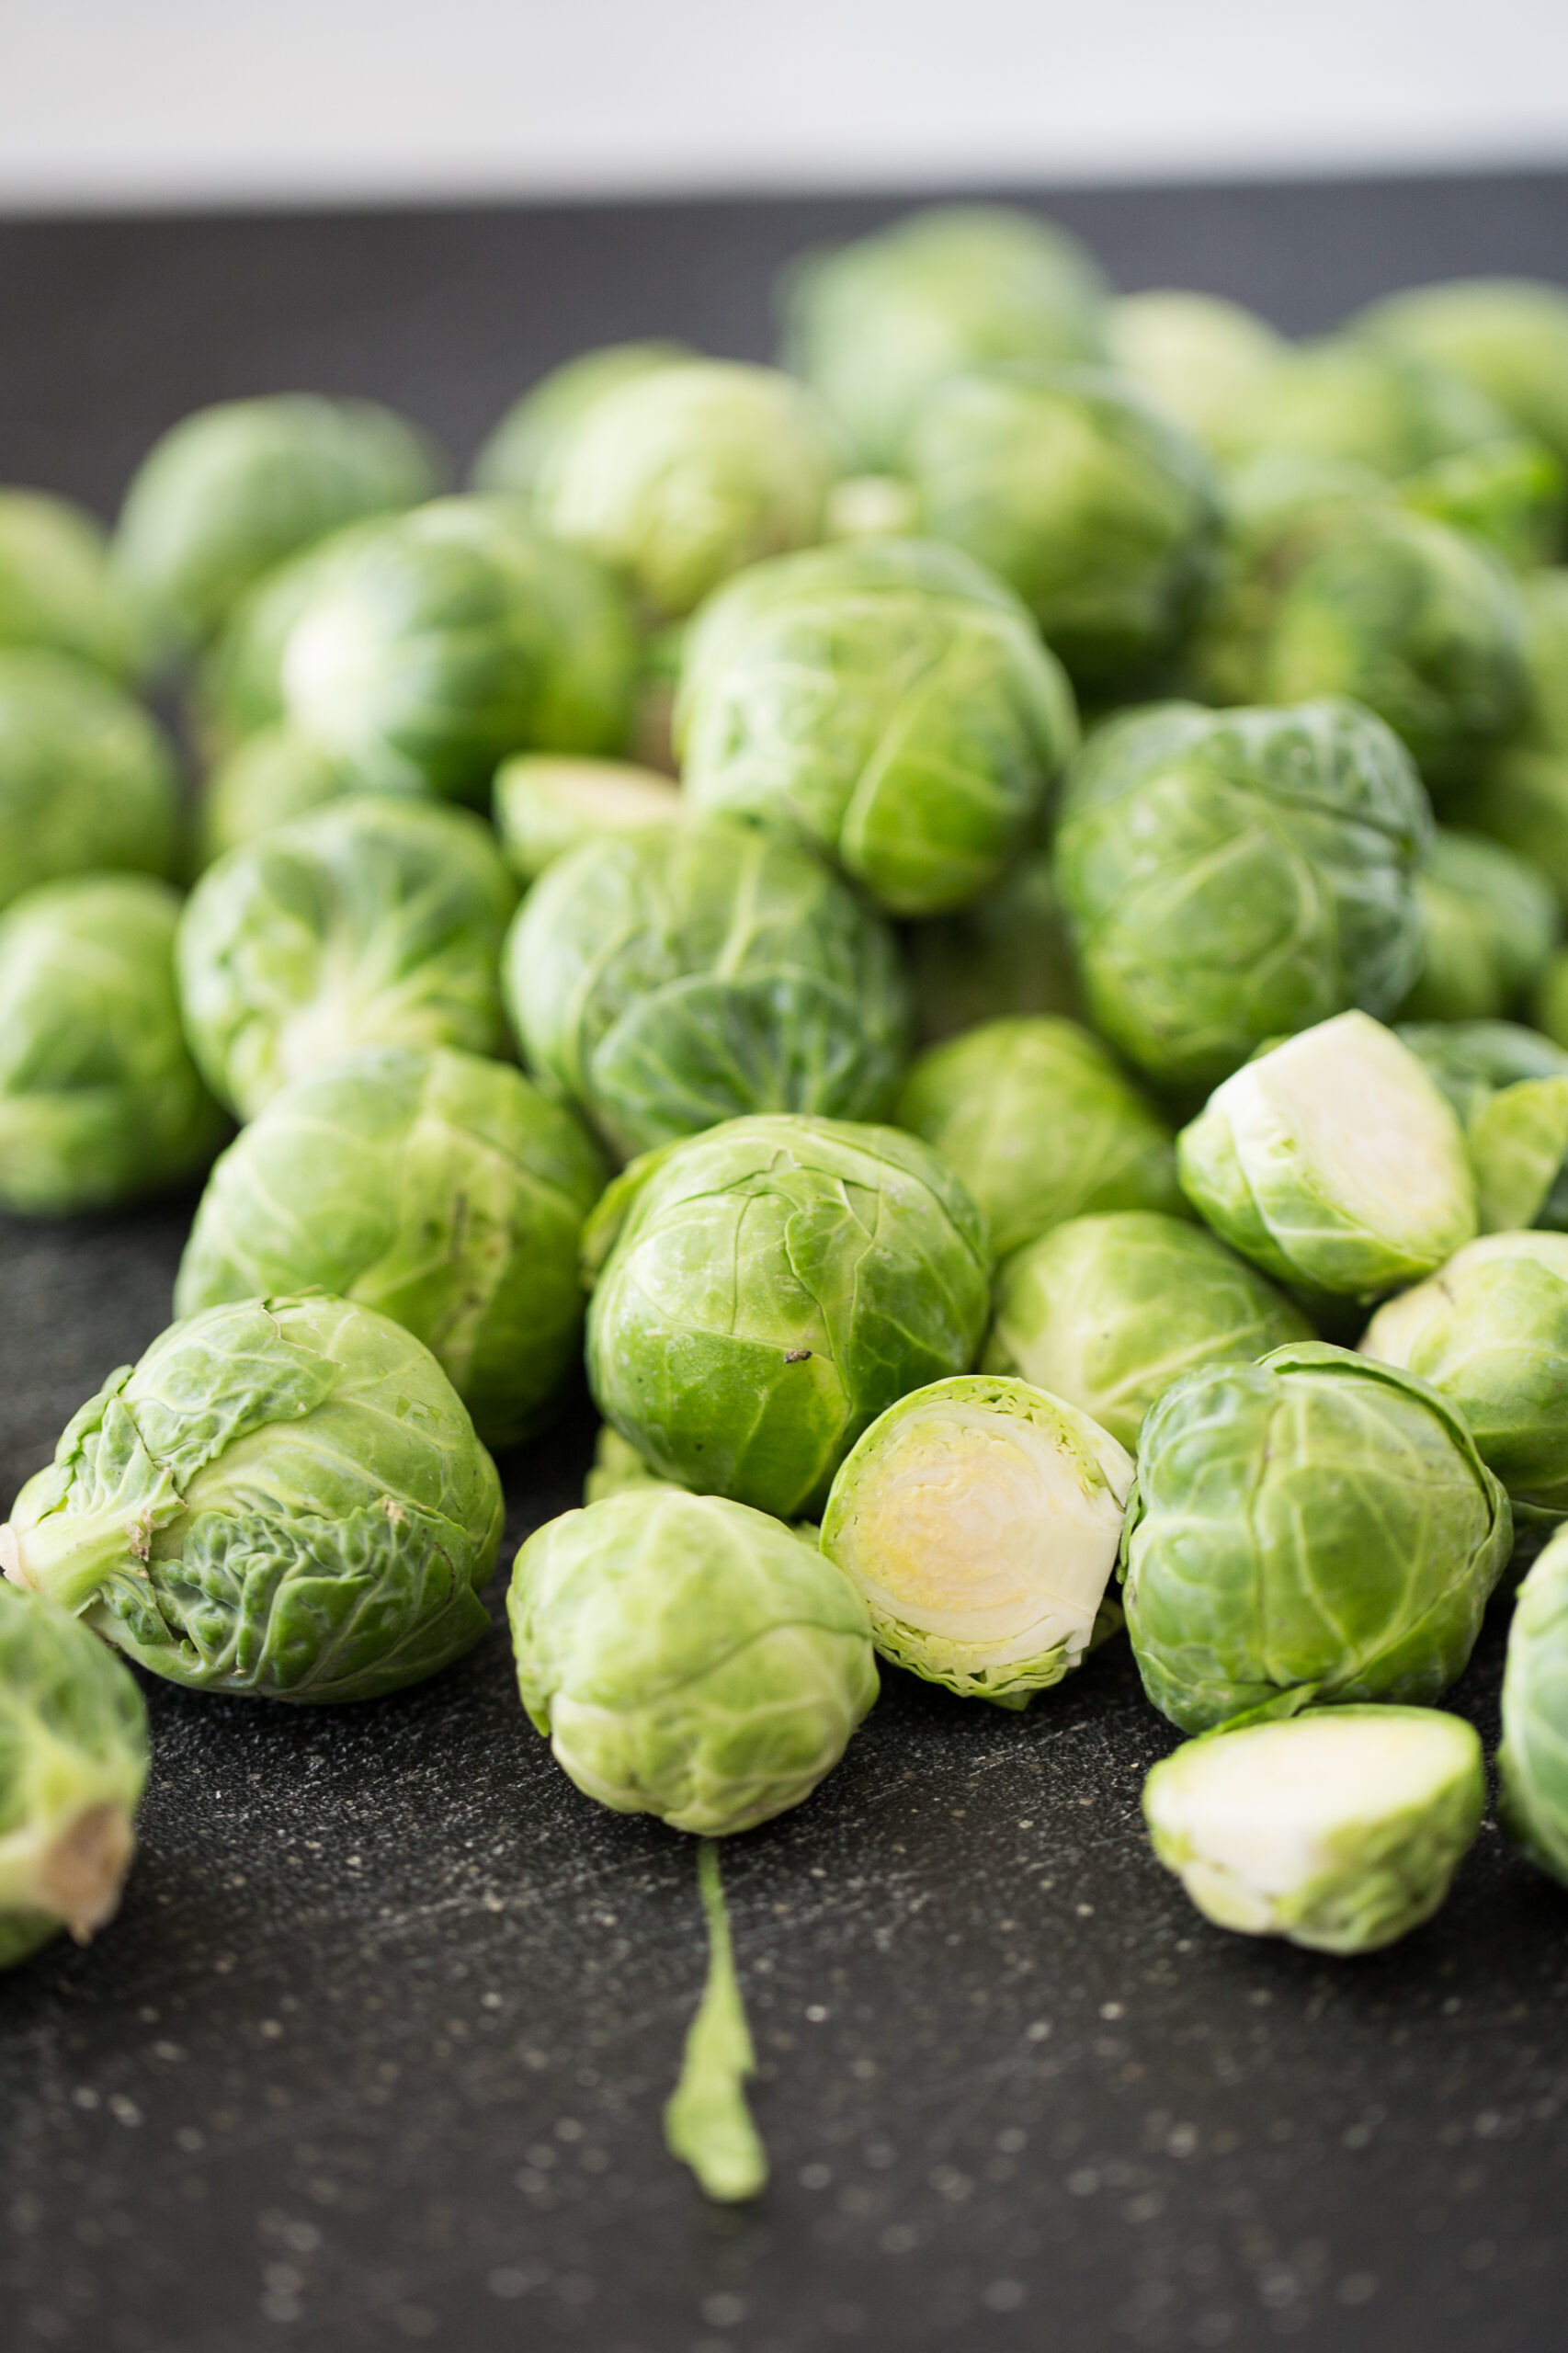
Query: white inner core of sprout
point(1359, 1108)
point(980, 1527)
point(1269, 1807)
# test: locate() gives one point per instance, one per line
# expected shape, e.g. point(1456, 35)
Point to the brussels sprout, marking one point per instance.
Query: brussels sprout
point(1489, 922)
point(1490, 1332)
point(1340, 1829)
point(767, 1289)
point(685, 473)
point(1334, 1162)
point(1007, 953)
point(616, 1468)
point(1509, 1087)
point(1506, 337)
point(515, 454)
point(980, 1519)
point(1521, 800)
point(688, 1657)
point(876, 325)
point(1387, 410)
point(268, 780)
point(1196, 356)
point(369, 922)
point(1040, 1125)
point(1511, 493)
point(707, 2122)
point(99, 1101)
point(1106, 1311)
point(1420, 623)
point(73, 1767)
point(1097, 509)
point(236, 689)
point(1544, 597)
point(547, 803)
point(231, 489)
point(57, 589)
point(284, 1500)
point(1314, 1528)
point(691, 973)
point(87, 779)
point(1551, 1000)
point(884, 699)
point(871, 507)
point(1532, 1762)
point(449, 637)
point(439, 1188)
point(1229, 875)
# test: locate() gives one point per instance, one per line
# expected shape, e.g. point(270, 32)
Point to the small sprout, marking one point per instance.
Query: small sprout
point(1196, 356)
point(515, 454)
point(548, 803)
point(1007, 953)
point(87, 781)
point(1489, 921)
point(616, 1467)
point(1533, 1760)
point(58, 592)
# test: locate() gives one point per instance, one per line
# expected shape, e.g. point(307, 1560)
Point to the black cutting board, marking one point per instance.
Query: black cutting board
point(374, 2055)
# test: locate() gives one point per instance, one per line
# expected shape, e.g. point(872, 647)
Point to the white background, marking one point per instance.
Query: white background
point(172, 102)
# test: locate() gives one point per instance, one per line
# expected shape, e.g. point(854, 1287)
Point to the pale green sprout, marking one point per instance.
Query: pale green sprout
point(1340, 1830)
point(688, 1657)
point(1489, 921)
point(1532, 1762)
point(1490, 1332)
point(707, 2122)
point(1339, 398)
point(980, 1519)
point(73, 1767)
point(1333, 1162)
point(268, 780)
point(1313, 1528)
point(548, 803)
point(1008, 953)
point(88, 780)
point(57, 589)
point(616, 1467)
point(1196, 356)
point(1509, 1087)
point(1106, 1311)
point(871, 507)
point(516, 451)
point(1506, 337)
point(1521, 799)
point(1041, 1124)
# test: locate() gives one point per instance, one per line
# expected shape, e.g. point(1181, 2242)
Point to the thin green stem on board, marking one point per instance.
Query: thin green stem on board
point(707, 2122)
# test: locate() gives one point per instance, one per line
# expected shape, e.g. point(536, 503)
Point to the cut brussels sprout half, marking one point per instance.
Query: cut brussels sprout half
point(58, 591)
point(1316, 1526)
point(547, 802)
point(1333, 1162)
point(1340, 1829)
point(980, 1519)
point(688, 1657)
point(1489, 921)
point(1532, 1762)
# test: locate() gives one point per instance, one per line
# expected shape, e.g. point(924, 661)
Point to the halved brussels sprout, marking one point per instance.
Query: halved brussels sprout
point(1040, 1125)
point(1489, 921)
point(100, 1102)
point(436, 1187)
point(1232, 875)
point(231, 489)
point(875, 326)
point(1340, 1829)
point(1509, 1087)
point(370, 922)
point(88, 780)
point(73, 1767)
point(548, 803)
point(886, 700)
point(1506, 337)
point(1106, 1311)
point(1196, 356)
point(1100, 512)
point(980, 1519)
point(767, 1289)
point(1337, 397)
point(692, 973)
point(1333, 1162)
point(1313, 1528)
point(688, 1657)
point(284, 1500)
point(268, 780)
point(514, 456)
point(1532, 1762)
point(1490, 1332)
point(433, 646)
point(57, 588)
point(1008, 953)
point(680, 475)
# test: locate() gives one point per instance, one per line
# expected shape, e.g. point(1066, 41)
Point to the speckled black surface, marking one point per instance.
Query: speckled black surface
point(375, 2053)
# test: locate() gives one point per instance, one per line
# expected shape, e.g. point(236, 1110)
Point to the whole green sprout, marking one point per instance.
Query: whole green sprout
point(236, 686)
point(1340, 1830)
point(1229, 875)
point(1339, 397)
point(231, 489)
point(268, 780)
point(707, 2122)
point(1505, 336)
point(57, 590)
point(429, 648)
point(874, 326)
point(1544, 599)
point(1508, 1086)
point(1106, 1311)
point(688, 1657)
point(1195, 355)
point(369, 922)
point(515, 453)
point(1489, 1331)
point(1532, 1762)
point(980, 1519)
point(1489, 922)
point(285, 1499)
point(436, 1187)
point(680, 475)
point(88, 780)
point(765, 1290)
point(1041, 1124)
point(546, 803)
point(100, 1102)
point(1316, 1527)
point(885, 701)
point(615, 1467)
point(73, 1767)
point(1097, 508)
point(691, 973)
point(1008, 953)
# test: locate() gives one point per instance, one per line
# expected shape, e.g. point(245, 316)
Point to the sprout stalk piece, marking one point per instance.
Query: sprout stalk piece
point(706, 2121)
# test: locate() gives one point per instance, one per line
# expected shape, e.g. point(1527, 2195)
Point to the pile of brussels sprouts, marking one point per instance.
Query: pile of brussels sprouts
point(977, 915)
